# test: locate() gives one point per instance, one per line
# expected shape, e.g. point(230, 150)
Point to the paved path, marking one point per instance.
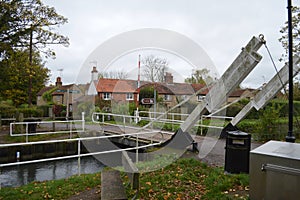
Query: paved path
point(212, 151)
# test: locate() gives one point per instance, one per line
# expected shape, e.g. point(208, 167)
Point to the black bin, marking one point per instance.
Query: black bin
point(237, 152)
point(32, 126)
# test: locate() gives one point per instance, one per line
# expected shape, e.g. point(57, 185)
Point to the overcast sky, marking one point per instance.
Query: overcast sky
point(221, 28)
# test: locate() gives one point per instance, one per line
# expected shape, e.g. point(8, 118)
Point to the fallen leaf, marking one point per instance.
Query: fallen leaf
point(148, 183)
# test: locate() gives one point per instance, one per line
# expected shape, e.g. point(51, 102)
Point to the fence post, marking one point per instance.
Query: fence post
point(78, 161)
point(137, 115)
point(201, 127)
point(26, 132)
point(83, 121)
point(124, 123)
point(172, 121)
point(137, 150)
point(70, 130)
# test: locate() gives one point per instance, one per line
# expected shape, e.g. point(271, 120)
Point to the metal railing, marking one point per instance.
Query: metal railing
point(78, 155)
point(69, 125)
point(156, 117)
point(126, 119)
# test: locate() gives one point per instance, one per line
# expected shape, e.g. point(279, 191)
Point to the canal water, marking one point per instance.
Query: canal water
point(53, 170)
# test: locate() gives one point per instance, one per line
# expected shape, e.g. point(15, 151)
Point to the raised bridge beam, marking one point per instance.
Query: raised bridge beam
point(232, 77)
point(269, 90)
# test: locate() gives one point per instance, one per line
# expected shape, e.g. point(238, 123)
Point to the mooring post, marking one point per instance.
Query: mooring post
point(78, 161)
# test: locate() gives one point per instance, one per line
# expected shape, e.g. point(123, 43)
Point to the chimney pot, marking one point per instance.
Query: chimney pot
point(58, 82)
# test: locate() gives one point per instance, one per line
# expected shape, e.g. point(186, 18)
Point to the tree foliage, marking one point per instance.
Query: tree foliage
point(296, 34)
point(14, 78)
point(114, 74)
point(27, 29)
point(21, 21)
point(154, 68)
point(200, 76)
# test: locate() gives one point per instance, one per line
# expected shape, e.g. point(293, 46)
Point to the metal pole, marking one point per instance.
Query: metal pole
point(290, 137)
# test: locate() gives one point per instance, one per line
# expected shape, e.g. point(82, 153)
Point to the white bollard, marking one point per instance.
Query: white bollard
point(18, 155)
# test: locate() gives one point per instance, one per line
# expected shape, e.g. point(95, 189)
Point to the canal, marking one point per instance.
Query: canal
point(52, 170)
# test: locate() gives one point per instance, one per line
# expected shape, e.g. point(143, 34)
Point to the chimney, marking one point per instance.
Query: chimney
point(58, 82)
point(168, 78)
point(94, 74)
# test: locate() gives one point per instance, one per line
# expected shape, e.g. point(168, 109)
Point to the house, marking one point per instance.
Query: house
point(173, 93)
point(238, 93)
point(60, 94)
point(106, 91)
point(117, 90)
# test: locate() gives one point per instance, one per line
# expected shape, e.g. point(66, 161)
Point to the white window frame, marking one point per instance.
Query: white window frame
point(129, 96)
point(167, 97)
point(200, 97)
point(107, 96)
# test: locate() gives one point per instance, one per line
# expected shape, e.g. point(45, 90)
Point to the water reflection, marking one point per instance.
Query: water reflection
point(24, 174)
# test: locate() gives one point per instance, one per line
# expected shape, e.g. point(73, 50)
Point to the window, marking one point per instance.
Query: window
point(58, 99)
point(201, 97)
point(129, 96)
point(167, 97)
point(106, 96)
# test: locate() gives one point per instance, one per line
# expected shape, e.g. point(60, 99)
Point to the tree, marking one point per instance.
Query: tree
point(114, 75)
point(200, 76)
point(29, 23)
point(28, 26)
point(296, 34)
point(154, 68)
point(14, 76)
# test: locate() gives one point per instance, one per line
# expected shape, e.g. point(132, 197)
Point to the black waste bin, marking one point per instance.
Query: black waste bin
point(237, 152)
point(32, 126)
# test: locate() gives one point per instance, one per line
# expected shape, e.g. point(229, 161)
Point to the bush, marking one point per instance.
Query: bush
point(31, 112)
point(45, 109)
point(7, 109)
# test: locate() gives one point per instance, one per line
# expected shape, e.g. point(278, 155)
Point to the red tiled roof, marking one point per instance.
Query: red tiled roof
point(177, 88)
point(116, 85)
point(125, 86)
point(198, 86)
point(240, 92)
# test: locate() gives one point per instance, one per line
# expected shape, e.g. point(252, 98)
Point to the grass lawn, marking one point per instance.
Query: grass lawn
point(56, 189)
point(191, 179)
point(184, 179)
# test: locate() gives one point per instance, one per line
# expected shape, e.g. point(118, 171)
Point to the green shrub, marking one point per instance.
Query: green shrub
point(45, 109)
point(7, 109)
point(31, 112)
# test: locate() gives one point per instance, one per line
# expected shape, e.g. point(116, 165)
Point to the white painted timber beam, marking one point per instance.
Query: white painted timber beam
point(232, 77)
point(269, 90)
